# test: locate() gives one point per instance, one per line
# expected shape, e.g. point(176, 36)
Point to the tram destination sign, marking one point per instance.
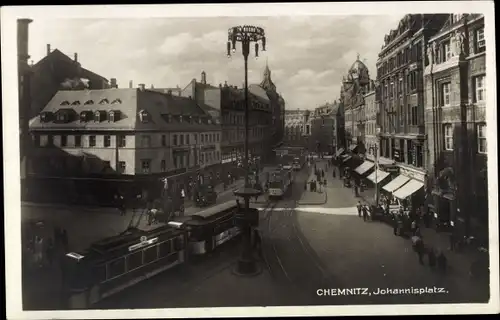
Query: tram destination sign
point(142, 244)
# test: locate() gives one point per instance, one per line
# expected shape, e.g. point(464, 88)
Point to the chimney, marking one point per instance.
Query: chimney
point(113, 83)
point(142, 86)
point(22, 39)
point(203, 77)
point(225, 83)
point(48, 49)
point(76, 57)
point(220, 85)
point(130, 84)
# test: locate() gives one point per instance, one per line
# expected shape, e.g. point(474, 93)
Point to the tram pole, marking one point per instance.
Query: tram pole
point(246, 265)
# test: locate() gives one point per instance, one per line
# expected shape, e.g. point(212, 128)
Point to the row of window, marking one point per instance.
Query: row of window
point(407, 55)
point(240, 134)
point(237, 119)
point(395, 86)
point(448, 133)
point(183, 139)
point(478, 91)
point(445, 51)
point(179, 161)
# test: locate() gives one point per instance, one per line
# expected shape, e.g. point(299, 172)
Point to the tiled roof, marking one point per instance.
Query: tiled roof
point(129, 103)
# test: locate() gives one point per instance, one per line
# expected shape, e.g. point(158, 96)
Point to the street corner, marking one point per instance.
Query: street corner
point(313, 198)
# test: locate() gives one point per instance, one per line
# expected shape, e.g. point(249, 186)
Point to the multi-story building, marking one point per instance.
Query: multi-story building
point(56, 71)
point(367, 119)
point(323, 128)
point(297, 128)
point(455, 116)
point(24, 78)
point(400, 75)
point(227, 104)
point(354, 87)
point(98, 142)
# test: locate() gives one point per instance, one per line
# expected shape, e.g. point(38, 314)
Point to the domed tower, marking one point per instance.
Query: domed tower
point(359, 72)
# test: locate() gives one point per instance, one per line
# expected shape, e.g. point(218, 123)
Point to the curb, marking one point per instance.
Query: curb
point(319, 203)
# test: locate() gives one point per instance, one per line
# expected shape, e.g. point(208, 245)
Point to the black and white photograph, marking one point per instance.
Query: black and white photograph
point(280, 159)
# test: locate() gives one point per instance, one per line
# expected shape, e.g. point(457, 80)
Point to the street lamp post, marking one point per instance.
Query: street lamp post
point(377, 167)
point(246, 35)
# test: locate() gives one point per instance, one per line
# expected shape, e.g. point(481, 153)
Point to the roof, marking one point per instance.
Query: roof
point(129, 103)
point(259, 92)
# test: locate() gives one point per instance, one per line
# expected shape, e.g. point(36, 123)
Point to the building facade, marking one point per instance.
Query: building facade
point(95, 143)
point(297, 128)
point(455, 113)
point(369, 121)
point(400, 76)
point(323, 129)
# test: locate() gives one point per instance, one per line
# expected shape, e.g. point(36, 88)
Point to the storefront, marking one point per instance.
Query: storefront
point(408, 188)
point(362, 171)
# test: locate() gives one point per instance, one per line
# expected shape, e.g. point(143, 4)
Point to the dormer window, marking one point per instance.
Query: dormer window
point(200, 120)
point(104, 101)
point(65, 103)
point(97, 116)
point(111, 116)
point(116, 101)
point(85, 116)
point(144, 116)
point(76, 103)
point(46, 116)
point(61, 116)
point(89, 102)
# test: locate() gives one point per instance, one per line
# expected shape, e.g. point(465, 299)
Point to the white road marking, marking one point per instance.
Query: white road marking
point(334, 211)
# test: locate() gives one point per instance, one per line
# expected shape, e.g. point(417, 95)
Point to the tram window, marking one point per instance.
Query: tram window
point(173, 257)
point(134, 260)
point(150, 254)
point(165, 248)
point(116, 268)
point(99, 273)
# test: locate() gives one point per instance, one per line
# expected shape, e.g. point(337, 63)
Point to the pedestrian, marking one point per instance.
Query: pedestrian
point(365, 212)
point(413, 226)
point(395, 224)
point(359, 206)
point(257, 243)
point(432, 258)
point(419, 247)
point(334, 172)
point(322, 173)
point(50, 251)
point(320, 184)
point(305, 186)
point(238, 203)
point(324, 183)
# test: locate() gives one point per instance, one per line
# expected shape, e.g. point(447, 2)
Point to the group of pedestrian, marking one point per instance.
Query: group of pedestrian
point(43, 248)
point(363, 211)
point(436, 259)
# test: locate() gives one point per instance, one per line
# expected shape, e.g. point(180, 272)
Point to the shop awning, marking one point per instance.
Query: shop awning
point(364, 167)
point(346, 158)
point(377, 176)
point(396, 183)
point(339, 152)
point(408, 189)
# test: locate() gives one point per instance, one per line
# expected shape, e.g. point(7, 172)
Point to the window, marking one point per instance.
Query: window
point(107, 141)
point(414, 116)
point(150, 254)
point(175, 139)
point(218, 137)
point(116, 101)
point(448, 136)
point(175, 161)
point(202, 157)
point(202, 137)
point(187, 138)
point(445, 94)
point(78, 141)
point(195, 138)
point(97, 116)
point(165, 248)
point(163, 140)
point(64, 140)
point(447, 51)
point(116, 268)
point(163, 166)
point(134, 260)
point(146, 166)
point(145, 141)
point(88, 102)
point(480, 42)
point(122, 166)
point(92, 141)
point(181, 139)
point(479, 88)
point(481, 138)
point(111, 116)
point(122, 141)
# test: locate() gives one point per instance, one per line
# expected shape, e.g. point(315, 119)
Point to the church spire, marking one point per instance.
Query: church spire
point(267, 83)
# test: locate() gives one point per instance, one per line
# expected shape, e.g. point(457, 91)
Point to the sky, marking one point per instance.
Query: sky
point(307, 55)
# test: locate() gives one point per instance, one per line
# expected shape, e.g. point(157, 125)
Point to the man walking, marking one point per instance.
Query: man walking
point(359, 206)
point(365, 213)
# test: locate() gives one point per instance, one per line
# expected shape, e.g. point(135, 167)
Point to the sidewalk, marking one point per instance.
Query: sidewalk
point(311, 198)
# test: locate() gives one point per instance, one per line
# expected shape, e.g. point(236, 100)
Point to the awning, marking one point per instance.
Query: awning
point(339, 152)
point(346, 158)
point(364, 167)
point(377, 176)
point(396, 183)
point(352, 147)
point(408, 189)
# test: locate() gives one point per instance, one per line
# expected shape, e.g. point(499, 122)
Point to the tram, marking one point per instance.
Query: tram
point(298, 163)
point(116, 263)
point(280, 181)
point(209, 228)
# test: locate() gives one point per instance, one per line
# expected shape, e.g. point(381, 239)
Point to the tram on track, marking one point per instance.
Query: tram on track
point(115, 263)
point(280, 180)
